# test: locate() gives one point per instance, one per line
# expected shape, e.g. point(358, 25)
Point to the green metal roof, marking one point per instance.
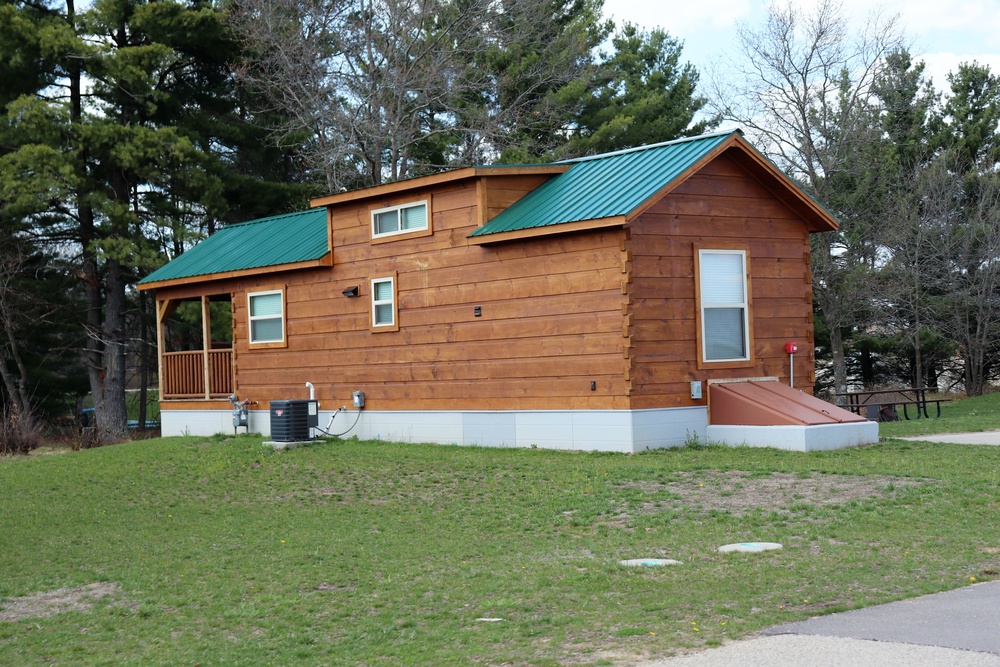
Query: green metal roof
point(604, 186)
point(279, 239)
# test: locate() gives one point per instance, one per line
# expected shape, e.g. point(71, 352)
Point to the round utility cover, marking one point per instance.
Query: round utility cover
point(648, 562)
point(750, 547)
point(489, 620)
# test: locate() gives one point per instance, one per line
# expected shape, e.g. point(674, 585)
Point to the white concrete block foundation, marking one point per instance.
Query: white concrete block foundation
point(594, 430)
point(627, 431)
point(814, 438)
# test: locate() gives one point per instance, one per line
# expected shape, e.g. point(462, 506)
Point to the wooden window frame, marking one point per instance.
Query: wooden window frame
point(401, 233)
point(748, 337)
point(394, 325)
point(250, 319)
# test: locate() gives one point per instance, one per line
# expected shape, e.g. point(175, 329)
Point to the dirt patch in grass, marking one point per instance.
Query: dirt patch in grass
point(59, 601)
point(740, 492)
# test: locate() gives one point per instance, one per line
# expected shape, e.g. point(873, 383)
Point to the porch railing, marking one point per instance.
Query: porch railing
point(184, 374)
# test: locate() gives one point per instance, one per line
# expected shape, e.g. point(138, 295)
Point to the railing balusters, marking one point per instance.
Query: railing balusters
point(184, 374)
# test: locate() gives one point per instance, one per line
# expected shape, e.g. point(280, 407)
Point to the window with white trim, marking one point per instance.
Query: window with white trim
point(383, 302)
point(399, 219)
point(267, 316)
point(724, 305)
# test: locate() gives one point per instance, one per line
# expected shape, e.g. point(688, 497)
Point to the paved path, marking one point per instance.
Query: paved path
point(980, 438)
point(959, 628)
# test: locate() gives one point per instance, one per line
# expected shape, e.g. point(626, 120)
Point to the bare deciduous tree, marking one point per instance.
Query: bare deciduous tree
point(13, 371)
point(384, 89)
point(804, 96)
point(965, 271)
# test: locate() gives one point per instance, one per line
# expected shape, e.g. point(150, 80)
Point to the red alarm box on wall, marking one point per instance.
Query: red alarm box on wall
point(791, 348)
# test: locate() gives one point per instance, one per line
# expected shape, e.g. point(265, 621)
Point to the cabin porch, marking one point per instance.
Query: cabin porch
point(205, 372)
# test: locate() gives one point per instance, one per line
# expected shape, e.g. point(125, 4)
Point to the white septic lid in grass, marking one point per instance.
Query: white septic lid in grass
point(648, 562)
point(487, 619)
point(750, 547)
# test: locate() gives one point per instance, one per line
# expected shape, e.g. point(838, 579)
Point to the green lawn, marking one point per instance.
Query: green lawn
point(218, 551)
point(968, 414)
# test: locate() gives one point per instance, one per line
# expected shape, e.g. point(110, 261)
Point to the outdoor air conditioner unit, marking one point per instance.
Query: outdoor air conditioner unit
point(292, 419)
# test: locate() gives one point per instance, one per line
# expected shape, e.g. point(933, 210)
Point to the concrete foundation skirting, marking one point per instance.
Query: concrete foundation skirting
point(815, 438)
point(591, 430)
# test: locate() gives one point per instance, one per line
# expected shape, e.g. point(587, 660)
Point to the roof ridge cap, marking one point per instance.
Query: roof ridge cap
point(269, 218)
point(637, 149)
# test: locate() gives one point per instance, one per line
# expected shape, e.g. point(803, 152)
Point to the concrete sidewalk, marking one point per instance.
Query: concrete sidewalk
point(978, 438)
point(959, 628)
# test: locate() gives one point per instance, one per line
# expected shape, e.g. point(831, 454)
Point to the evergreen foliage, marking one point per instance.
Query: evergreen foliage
point(131, 129)
point(645, 96)
point(127, 135)
point(122, 140)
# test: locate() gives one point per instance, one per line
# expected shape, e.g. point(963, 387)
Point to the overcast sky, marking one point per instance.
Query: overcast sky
point(943, 33)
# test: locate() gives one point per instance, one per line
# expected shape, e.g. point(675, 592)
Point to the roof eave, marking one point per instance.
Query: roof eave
point(548, 230)
point(325, 260)
point(438, 179)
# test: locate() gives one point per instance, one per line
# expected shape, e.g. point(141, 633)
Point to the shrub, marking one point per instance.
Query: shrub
point(20, 432)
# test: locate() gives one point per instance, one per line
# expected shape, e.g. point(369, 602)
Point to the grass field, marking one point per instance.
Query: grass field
point(218, 551)
point(969, 414)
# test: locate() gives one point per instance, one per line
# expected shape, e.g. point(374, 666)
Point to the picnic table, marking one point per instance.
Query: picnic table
point(880, 404)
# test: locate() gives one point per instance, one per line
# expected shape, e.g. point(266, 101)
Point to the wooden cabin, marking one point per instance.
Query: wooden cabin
point(586, 304)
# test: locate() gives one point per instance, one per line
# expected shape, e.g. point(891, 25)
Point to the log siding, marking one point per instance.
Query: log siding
point(549, 324)
point(721, 206)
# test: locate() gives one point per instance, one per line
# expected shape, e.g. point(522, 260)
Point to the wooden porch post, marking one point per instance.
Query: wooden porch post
point(206, 335)
point(163, 310)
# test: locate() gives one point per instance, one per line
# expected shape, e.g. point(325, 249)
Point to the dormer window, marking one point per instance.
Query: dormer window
point(399, 219)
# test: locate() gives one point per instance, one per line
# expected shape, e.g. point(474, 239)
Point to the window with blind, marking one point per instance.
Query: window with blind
point(384, 303)
point(399, 219)
point(267, 317)
point(724, 305)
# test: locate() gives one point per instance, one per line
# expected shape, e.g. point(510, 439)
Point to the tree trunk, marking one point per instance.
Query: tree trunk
point(19, 383)
point(94, 351)
point(112, 415)
point(918, 357)
point(15, 381)
point(143, 358)
point(970, 382)
point(867, 367)
point(839, 362)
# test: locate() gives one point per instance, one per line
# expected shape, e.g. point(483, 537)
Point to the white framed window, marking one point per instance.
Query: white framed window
point(384, 303)
point(724, 305)
point(267, 316)
point(400, 219)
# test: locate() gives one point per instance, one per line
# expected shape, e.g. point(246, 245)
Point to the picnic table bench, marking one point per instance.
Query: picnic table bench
point(880, 404)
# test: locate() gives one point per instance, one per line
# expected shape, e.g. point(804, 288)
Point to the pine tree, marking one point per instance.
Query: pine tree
point(124, 142)
point(646, 96)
